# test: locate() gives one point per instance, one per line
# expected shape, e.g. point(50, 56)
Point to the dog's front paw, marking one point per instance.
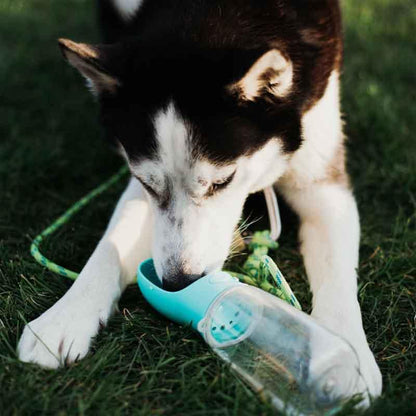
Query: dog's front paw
point(368, 382)
point(60, 336)
point(371, 384)
point(343, 372)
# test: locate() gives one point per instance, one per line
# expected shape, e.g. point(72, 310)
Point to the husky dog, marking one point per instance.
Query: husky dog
point(210, 101)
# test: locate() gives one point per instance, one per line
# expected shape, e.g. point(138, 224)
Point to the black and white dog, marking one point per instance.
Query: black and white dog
point(210, 101)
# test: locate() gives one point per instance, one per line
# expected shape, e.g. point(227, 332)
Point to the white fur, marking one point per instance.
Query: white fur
point(173, 139)
point(65, 331)
point(199, 230)
point(127, 8)
point(322, 134)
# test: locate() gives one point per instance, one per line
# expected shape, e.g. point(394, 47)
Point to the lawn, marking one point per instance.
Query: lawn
point(52, 153)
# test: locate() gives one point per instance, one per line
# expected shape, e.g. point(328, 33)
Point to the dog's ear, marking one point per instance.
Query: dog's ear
point(272, 73)
point(94, 63)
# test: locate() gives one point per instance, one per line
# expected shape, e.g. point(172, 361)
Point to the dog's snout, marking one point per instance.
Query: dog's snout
point(179, 280)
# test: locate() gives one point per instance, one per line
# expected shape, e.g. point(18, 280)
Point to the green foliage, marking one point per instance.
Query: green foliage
point(51, 153)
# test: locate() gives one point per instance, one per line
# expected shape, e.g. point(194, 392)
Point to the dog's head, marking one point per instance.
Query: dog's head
point(201, 130)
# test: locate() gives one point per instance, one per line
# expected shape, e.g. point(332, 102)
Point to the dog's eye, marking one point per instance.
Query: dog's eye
point(218, 186)
point(147, 187)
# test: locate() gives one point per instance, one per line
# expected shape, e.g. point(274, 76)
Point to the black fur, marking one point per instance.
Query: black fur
point(188, 51)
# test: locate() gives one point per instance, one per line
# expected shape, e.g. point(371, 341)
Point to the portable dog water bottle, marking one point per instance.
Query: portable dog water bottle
point(281, 352)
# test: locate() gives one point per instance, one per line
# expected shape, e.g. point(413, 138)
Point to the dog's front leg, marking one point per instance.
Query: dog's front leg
point(64, 332)
point(329, 236)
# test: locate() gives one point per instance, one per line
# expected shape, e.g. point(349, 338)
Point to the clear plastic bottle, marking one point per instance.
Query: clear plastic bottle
point(281, 352)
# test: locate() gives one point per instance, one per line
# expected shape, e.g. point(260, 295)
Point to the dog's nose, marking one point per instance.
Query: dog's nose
point(178, 281)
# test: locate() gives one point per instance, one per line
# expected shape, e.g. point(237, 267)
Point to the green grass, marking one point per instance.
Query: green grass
point(51, 153)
